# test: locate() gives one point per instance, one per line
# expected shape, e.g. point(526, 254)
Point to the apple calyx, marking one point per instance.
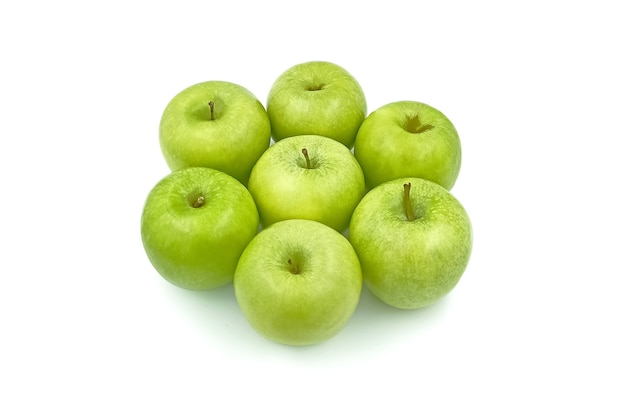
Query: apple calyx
point(414, 125)
point(306, 157)
point(212, 107)
point(408, 207)
point(293, 268)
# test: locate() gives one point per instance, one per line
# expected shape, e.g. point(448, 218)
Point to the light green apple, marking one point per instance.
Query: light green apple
point(316, 98)
point(307, 177)
point(408, 139)
point(414, 240)
point(215, 124)
point(298, 282)
point(195, 224)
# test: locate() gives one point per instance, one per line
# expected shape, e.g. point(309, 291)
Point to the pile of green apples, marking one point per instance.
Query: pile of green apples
point(301, 202)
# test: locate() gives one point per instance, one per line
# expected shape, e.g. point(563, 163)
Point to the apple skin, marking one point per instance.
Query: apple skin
point(283, 188)
point(231, 142)
point(316, 98)
point(411, 264)
point(197, 248)
point(390, 145)
point(308, 300)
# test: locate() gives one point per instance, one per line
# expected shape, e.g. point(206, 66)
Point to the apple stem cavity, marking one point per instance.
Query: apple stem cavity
point(414, 125)
point(198, 203)
point(293, 268)
point(212, 107)
point(315, 87)
point(306, 157)
point(408, 207)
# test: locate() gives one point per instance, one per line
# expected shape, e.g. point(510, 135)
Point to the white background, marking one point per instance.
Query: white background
point(536, 325)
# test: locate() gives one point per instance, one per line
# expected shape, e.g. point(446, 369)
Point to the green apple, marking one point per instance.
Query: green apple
point(215, 124)
point(414, 241)
point(298, 282)
point(307, 177)
point(195, 224)
point(316, 98)
point(408, 139)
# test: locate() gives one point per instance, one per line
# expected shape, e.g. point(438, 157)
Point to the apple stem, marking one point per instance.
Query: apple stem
point(199, 202)
point(408, 207)
point(306, 157)
point(294, 268)
point(212, 107)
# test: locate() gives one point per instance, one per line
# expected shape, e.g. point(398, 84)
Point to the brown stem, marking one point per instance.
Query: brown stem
point(408, 207)
point(306, 157)
point(212, 106)
point(199, 202)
